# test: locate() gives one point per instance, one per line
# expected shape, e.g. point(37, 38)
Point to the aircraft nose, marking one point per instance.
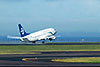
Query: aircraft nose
point(54, 29)
point(54, 32)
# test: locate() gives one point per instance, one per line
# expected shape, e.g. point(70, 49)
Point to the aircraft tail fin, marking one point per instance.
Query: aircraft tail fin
point(22, 31)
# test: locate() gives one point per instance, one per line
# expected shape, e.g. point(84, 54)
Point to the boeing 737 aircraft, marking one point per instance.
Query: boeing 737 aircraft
point(36, 36)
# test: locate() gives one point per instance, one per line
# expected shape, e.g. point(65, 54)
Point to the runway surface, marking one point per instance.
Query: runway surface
point(44, 59)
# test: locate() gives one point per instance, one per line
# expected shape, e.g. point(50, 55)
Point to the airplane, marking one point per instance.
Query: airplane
point(46, 34)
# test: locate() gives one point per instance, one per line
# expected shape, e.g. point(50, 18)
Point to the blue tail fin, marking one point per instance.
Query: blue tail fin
point(22, 31)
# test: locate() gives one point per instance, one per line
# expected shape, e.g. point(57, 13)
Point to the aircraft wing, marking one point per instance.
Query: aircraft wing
point(42, 37)
point(46, 37)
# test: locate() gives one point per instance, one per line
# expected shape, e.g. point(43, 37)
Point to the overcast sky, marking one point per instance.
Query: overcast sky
point(63, 15)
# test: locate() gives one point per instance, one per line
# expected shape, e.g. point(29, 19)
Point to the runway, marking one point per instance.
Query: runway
point(44, 58)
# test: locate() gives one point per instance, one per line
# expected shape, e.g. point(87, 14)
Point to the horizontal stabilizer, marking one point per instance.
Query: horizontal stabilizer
point(13, 37)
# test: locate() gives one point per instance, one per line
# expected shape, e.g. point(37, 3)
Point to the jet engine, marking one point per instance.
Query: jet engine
point(51, 38)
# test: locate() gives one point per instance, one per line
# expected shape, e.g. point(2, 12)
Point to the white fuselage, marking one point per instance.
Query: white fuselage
point(40, 35)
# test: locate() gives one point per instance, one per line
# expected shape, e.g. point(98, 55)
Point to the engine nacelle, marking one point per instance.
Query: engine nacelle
point(51, 38)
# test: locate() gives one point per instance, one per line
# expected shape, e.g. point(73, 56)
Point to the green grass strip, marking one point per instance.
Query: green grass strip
point(79, 60)
point(29, 48)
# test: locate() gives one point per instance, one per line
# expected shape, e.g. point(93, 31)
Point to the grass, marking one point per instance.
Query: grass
point(79, 60)
point(28, 49)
